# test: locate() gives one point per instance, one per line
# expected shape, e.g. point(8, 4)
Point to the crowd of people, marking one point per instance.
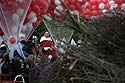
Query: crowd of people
point(19, 64)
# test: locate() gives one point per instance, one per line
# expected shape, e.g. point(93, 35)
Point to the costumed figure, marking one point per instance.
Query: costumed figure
point(48, 47)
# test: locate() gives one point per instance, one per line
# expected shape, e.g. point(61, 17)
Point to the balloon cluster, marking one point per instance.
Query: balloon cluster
point(75, 6)
point(99, 8)
point(15, 10)
point(57, 9)
point(33, 17)
point(37, 8)
point(12, 15)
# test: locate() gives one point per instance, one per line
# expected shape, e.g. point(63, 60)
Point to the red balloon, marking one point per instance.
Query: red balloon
point(43, 11)
point(118, 7)
point(95, 7)
point(39, 17)
point(94, 12)
point(107, 6)
point(73, 1)
point(53, 6)
point(2, 1)
point(12, 40)
point(89, 5)
point(78, 5)
point(100, 11)
point(67, 2)
point(88, 11)
point(1, 32)
point(29, 10)
point(119, 2)
point(33, 3)
point(71, 7)
point(43, 4)
point(83, 2)
point(10, 3)
point(83, 12)
point(52, 13)
point(36, 24)
point(99, 1)
point(104, 1)
point(36, 9)
point(93, 2)
point(26, 20)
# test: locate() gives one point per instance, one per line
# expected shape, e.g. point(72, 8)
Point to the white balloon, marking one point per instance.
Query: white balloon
point(57, 2)
point(31, 15)
point(50, 57)
point(113, 6)
point(57, 41)
point(20, 11)
point(104, 11)
point(101, 5)
point(21, 35)
point(123, 6)
point(15, 18)
point(23, 28)
point(47, 17)
point(75, 12)
point(111, 2)
point(61, 50)
point(33, 20)
point(59, 8)
point(80, 0)
point(29, 26)
point(14, 30)
point(85, 5)
point(56, 13)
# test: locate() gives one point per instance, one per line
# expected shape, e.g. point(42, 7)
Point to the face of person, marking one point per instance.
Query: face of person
point(46, 34)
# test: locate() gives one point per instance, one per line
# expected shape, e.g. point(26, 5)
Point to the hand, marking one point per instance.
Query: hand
point(0, 60)
point(51, 48)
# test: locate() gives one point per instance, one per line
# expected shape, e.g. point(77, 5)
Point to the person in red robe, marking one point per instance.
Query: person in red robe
point(48, 46)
